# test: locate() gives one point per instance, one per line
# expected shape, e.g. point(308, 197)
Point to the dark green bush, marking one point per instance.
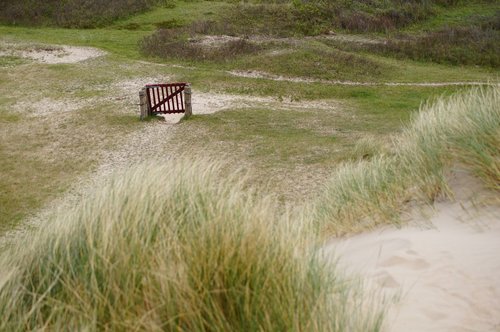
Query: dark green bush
point(475, 44)
point(363, 16)
point(176, 43)
point(70, 13)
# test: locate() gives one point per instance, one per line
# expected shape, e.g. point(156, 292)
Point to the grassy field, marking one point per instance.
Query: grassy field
point(314, 138)
point(54, 151)
point(99, 265)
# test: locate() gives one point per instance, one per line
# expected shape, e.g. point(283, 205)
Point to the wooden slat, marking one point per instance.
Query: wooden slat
point(165, 96)
point(169, 101)
point(153, 99)
point(177, 102)
point(172, 95)
point(150, 101)
point(157, 91)
point(182, 100)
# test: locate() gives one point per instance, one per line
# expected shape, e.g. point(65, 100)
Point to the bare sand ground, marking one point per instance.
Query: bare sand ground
point(51, 54)
point(444, 266)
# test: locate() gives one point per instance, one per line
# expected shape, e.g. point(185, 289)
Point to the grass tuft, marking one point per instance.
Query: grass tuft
point(169, 246)
point(462, 128)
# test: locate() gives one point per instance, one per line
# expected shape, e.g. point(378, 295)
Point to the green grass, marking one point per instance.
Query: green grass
point(184, 12)
point(313, 62)
point(122, 43)
point(377, 111)
point(11, 61)
point(460, 15)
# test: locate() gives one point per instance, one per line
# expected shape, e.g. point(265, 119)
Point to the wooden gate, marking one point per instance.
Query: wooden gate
point(165, 99)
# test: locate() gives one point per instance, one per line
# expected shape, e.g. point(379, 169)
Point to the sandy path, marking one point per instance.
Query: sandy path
point(255, 74)
point(267, 76)
point(446, 269)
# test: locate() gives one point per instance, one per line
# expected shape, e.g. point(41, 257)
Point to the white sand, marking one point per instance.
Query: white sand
point(51, 54)
point(447, 272)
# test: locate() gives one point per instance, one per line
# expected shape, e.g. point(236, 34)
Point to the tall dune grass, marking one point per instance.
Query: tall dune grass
point(169, 246)
point(463, 128)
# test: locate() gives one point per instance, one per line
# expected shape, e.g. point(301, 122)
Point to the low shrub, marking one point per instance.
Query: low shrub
point(176, 43)
point(71, 13)
point(473, 45)
point(314, 17)
point(362, 16)
point(477, 43)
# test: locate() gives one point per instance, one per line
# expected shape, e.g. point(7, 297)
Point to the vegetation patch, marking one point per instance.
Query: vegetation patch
point(71, 13)
point(316, 17)
point(314, 62)
point(473, 42)
point(462, 45)
point(175, 43)
point(10, 61)
point(177, 250)
point(463, 128)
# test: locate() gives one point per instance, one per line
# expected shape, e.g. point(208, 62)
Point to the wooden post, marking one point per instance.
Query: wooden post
point(189, 108)
point(143, 102)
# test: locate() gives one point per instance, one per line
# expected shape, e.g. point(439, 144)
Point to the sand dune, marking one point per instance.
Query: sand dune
point(445, 269)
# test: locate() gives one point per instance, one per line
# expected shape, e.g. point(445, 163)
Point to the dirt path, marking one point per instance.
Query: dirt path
point(255, 74)
point(268, 76)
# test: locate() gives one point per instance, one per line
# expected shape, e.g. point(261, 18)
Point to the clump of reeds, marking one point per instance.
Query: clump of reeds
point(171, 246)
point(463, 128)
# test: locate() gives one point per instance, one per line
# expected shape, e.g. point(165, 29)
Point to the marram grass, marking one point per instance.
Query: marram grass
point(463, 129)
point(169, 246)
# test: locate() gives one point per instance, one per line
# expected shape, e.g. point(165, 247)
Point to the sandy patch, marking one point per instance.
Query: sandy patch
point(446, 269)
point(51, 54)
point(214, 41)
point(208, 103)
